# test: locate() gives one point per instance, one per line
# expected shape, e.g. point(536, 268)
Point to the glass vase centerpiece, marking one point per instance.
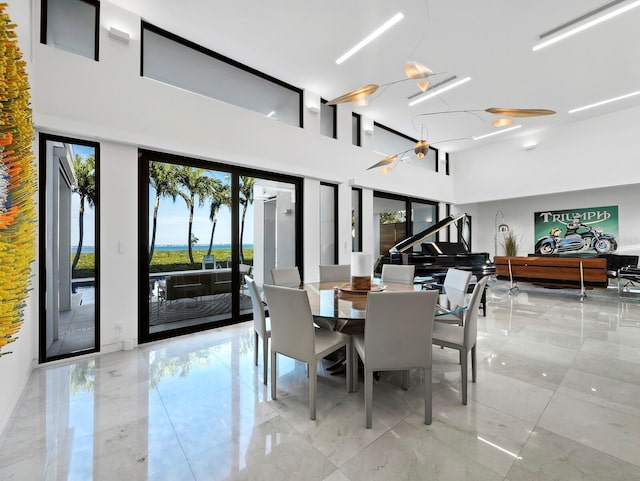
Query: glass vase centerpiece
point(361, 271)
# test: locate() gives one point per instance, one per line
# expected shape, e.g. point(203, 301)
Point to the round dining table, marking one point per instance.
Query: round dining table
point(335, 306)
point(341, 307)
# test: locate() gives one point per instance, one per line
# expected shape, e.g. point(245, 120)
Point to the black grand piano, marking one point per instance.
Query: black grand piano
point(434, 258)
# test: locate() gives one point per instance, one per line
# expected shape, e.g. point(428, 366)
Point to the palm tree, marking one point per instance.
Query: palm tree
point(195, 184)
point(162, 177)
point(246, 198)
point(220, 195)
point(85, 170)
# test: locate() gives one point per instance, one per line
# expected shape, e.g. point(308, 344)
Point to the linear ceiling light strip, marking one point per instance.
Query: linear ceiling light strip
point(478, 137)
point(372, 36)
point(602, 102)
point(433, 87)
point(438, 91)
point(584, 26)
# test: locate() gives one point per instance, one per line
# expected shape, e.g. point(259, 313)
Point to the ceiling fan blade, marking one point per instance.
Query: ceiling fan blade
point(415, 70)
point(519, 112)
point(423, 86)
point(390, 159)
point(354, 95)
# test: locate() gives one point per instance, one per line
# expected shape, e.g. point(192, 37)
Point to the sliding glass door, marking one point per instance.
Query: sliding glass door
point(206, 226)
point(395, 218)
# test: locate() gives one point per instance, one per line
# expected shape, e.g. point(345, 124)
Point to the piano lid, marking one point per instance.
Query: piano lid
point(407, 244)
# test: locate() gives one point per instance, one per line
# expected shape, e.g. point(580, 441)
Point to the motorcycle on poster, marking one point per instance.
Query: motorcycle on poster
point(576, 230)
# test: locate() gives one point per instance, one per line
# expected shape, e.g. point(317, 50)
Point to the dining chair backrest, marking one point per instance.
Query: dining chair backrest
point(292, 330)
point(337, 272)
point(471, 314)
point(456, 284)
point(398, 274)
point(259, 319)
point(286, 277)
point(397, 330)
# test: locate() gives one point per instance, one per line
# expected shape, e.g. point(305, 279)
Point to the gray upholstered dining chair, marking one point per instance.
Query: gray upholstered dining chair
point(336, 272)
point(294, 335)
point(261, 326)
point(397, 337)
point(286, 277)
point(463, 338)
point(398, 274)
point(455, 286)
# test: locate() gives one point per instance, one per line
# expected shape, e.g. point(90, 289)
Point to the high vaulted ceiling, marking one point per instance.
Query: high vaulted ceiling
point(491, 41)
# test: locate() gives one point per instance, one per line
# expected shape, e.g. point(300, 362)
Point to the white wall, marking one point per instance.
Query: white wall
point(589, 154)
point(518, 214)
point(15, 367)
point(109, 100)
point(589, 163)
point(311, 230)
point(118, 245)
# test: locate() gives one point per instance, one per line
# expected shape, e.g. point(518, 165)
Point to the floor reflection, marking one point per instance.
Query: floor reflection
point(194, 408)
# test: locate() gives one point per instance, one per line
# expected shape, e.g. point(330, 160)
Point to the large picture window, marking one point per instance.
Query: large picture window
point(69, 247)
point(181, 63)
point(356, 129)
point(328, 224)
point(207, 226)
point(389, 142)
point(397, 218)
point(71, 25)
point(328, 120)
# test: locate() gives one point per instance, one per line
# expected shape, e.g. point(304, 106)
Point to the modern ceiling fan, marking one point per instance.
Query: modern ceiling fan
point(416, 71)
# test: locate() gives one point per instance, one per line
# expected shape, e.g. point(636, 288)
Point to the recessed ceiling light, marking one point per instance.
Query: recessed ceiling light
point(589, 24)
point(372, 36)
point(478, 137)
point(602, 102)
point(438, 91)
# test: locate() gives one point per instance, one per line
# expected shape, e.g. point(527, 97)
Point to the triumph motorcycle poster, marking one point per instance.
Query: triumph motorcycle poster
point(591, 230)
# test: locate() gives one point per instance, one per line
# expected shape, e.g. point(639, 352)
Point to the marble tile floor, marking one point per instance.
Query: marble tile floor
point(557, 398)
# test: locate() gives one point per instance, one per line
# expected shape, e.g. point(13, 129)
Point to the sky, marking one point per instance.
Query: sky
point(89, 216)
point(173, 219)
point(173, 223)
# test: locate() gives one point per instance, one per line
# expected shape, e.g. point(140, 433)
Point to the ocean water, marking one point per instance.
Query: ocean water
point(168, 247)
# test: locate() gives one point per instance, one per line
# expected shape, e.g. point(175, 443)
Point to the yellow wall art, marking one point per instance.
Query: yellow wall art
point(17, 184)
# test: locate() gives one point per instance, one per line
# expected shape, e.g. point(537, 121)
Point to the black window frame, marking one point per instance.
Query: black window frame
point(217, 56)
point(359, 223)
point(44, 23)
point(407, 206)
point(43, 138)
point(334, 114)
point(144, 156)
point(335, 217)
point(358, 139)
point(377, 125)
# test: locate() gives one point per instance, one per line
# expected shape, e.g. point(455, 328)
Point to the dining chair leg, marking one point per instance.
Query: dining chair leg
point(368, 397)
point(313, 385)
point(274, 374)
point(463, 371)
point(255, 347)
point(473, 364)
point(405, 379)
point(265, 359)
point(349, 368)
point(427, 396)
point(354, 368)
